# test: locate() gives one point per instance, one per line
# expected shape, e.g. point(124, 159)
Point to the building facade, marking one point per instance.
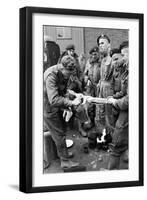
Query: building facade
point(84, 38)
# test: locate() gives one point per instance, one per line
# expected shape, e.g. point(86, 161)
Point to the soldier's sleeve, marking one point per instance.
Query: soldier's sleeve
point(52, 92)
point(80, 73)
point(122, 104)
point(98, 75)
point(86, 68)
point(118, 95)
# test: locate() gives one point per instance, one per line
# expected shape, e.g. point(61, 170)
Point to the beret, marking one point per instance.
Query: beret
point(103, 37)
point(124, 44)
point(68, 62)
point(94, 49)
point(113, 51)
point(70, 46)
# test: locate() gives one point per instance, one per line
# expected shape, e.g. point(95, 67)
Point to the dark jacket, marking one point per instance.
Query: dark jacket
point(92, 73)
point(92, 70)
point(55, 87)
point(120, 136)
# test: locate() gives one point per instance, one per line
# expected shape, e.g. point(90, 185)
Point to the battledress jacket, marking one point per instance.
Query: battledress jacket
point(92, 70)
point(120, 137)
point(106, 81)
point(55, 86)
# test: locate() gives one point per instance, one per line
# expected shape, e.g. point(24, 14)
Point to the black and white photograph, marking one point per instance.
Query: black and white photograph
point(86, 99)
point(73, 99)
point(81, 123)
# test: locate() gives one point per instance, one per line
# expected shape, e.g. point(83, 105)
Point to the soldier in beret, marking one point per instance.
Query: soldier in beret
point(120, 102)
point(92, 77)
point(92, 71)
point(120, 71)
point(55, 101)
point(70, 50)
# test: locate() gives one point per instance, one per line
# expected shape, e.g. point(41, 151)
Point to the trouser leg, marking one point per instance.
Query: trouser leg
point(57, 130)
point(124, 160)
point(109, 117)
point(113, 162)
point(92, 142)
point(91, 112)
point(102, 114)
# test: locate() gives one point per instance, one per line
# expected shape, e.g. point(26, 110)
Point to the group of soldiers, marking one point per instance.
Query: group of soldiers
point(93, 91)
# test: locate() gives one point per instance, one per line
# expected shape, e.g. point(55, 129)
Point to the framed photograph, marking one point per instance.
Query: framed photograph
point(81, 99)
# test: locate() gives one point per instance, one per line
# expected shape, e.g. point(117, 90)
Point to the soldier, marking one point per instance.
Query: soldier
point(92, 72)
point(120, 71)
point(105, 87)
point(92, 77)
point(70, 50)
point(117, 69)
point(120, 101)
point(55, 87)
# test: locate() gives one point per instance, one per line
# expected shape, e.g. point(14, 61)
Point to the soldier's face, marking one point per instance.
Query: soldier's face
point(125, 54)
point(116, 60)
point(94, 56)
point(66, 73)
point(104, 45)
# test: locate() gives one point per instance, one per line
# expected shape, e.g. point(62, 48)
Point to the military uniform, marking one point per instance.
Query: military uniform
point(120, 77)
point(54, 102)
point(105, 89)
point(92, 74)
point(119, 145)
point(120, 136)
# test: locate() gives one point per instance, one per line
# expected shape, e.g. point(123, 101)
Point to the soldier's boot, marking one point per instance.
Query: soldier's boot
point(88, 125)
point(83, 133)
point(70, 155)
point(68, 164)
point(113, 162)
point(81, 130)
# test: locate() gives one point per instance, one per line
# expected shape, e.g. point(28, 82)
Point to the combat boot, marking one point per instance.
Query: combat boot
point(68, 164)
point(70, 155)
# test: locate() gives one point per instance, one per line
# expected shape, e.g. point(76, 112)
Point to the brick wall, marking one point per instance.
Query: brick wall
point(117, 36)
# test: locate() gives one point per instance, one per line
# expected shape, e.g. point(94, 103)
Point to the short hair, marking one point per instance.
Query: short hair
point(113, 51)
point(103, 36)
point(124, 44)
point(68, 62)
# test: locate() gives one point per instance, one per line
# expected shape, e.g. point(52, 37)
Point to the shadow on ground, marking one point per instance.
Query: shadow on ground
point(93, 160)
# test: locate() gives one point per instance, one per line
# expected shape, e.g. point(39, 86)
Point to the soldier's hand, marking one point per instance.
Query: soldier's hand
point(76, 102)
point(89, 99)
point(80, 95)
point(111, 100)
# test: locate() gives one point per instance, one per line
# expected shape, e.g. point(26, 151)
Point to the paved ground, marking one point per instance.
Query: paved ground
point(94, 160)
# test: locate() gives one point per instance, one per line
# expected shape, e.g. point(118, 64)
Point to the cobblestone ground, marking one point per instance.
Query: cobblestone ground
point(93, 160)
